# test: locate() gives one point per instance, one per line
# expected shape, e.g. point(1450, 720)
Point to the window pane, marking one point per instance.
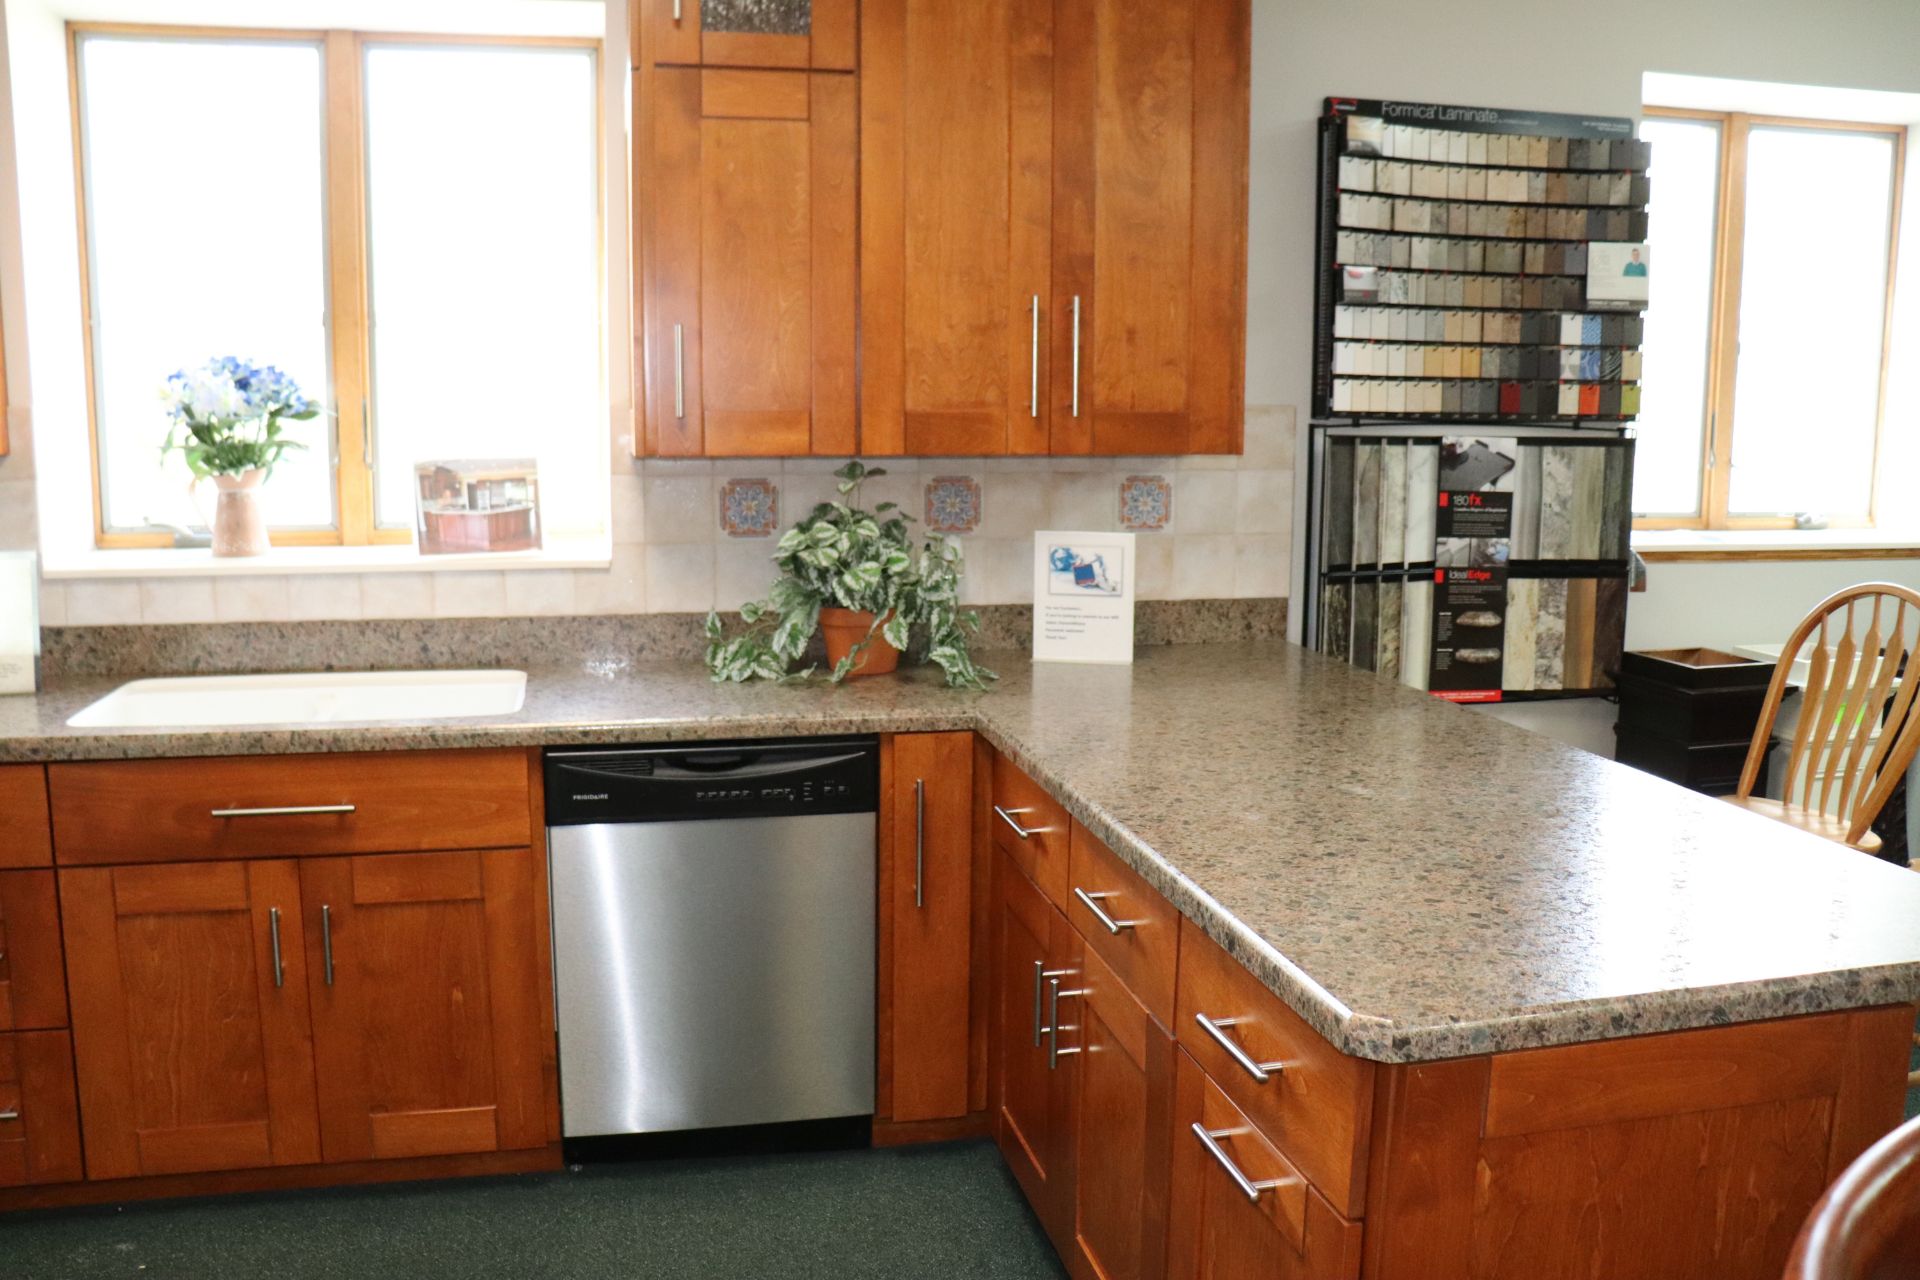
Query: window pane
point(1812, 308)
point(483, 219)
point(1684, 180)
point(206, 238)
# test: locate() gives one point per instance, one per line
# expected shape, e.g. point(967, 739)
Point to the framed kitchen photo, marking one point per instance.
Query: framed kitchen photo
point(469, 505)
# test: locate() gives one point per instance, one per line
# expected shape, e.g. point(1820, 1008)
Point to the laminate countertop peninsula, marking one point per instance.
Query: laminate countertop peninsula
point(1418, 882)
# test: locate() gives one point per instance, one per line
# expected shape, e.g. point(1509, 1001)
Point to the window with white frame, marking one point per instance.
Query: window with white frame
point(1765, 369)
point(409, 226)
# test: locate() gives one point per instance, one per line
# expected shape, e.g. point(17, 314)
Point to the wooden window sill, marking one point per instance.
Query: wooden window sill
point(170, 562)
point(1683, 545)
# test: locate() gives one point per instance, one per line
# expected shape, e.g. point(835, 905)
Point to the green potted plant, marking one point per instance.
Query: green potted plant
point(857, 577)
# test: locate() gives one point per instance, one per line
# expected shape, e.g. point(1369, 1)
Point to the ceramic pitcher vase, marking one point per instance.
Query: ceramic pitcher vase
point(239, 523)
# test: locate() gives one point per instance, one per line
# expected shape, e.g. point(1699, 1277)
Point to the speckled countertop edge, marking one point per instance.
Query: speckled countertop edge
point(916, 704)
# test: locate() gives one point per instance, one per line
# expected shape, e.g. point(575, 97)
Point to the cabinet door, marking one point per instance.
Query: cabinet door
point(1149, 224)
point(746, 190)
point(956, 140)
point(1034, 949)
point(33, 982)
point(1122, 1111)
point(425, 969)
point(929, 848)
point(1285, 1229)
point(190, 1020)
point(39, 1115)
point(800, 34)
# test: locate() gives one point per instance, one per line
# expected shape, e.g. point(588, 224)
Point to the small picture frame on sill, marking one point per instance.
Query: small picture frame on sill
point(465, 506)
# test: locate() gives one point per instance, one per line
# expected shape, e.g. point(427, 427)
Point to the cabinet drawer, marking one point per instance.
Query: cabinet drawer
point(248, 806)
point(33, 981)
point(25, 838)
point(39, 1118)
point(1032, 827)
point(1285, 1229)
point(1143, 937)
point(1315, 1103)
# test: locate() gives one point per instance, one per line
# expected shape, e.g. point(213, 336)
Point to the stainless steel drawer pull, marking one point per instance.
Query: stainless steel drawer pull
point(326, 939)
point(12, 1113)
point(1033, 375)
point(1054, 996)
point(676, 10)
point(1025, 833)
point(679, 357)
point(1210, 1139)
point(1260, 1071)
point(1040, 974)
point(273, 925)
point(919, 842)
point(1076, 355)
point(1093, 901)
point(281, 810)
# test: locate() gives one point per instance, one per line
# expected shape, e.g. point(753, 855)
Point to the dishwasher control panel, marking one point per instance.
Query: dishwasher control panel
point(711, 780)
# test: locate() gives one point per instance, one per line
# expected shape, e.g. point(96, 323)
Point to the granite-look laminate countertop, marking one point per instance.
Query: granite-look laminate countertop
point(1416, 880)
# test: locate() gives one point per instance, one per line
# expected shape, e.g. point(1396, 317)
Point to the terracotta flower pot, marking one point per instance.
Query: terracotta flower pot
point(845, 628)
point(239, 524)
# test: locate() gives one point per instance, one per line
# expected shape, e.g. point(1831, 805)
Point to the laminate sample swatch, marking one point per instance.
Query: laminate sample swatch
point(1366, 505)
point(1336, 506)
point(1423, 496)
point(1589, 486)
point(1557, 468)
point(1523, 622)
point(1393, 504)
point(1526, 504)
point(1609, 630)
point(1416, 632)
point(1386, 650)
point(1616, 505)
point(1336, 621)
point(1366, 624)
point(1577, 672)
point(1550, 634)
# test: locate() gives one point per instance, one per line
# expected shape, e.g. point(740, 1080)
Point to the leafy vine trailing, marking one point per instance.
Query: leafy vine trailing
point(843, 556)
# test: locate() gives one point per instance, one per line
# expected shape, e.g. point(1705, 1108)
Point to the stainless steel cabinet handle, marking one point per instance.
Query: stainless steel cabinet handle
point(1054, 1051)
point(679, 346)
point(326, 939)
point(1076, 355)
point(10, 1114)
point(1260, 1071)
point(273, 925)
point(280, 810)
point(1209, 1138)
point(676, 10)
point(1011, 821)
point(919, 841)
point(1092, 902)
point(1040, 974)
point(1033, 387)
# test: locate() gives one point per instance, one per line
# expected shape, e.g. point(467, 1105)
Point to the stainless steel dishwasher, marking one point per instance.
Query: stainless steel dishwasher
point(713, 931)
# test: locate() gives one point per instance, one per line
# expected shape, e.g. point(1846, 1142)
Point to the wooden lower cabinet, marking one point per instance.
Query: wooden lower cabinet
point(245, 1014)
point(33, 981)
point(427, 1023)
point(39, 1116)
point(191, 1027)
point(1031, 951)
point(1285, 1230)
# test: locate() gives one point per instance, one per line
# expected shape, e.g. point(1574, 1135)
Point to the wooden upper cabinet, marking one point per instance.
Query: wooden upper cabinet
point(796, 34)
point(956, 139)
point(190, 1018)
point(746, 224)
point(1149, 225)
point(425, 971)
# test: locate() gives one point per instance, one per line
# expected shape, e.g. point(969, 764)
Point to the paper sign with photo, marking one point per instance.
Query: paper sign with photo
point(1617, 275)
point(1083, 593)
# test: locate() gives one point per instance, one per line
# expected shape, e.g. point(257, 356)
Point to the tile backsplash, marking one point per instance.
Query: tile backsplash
point(691, 535)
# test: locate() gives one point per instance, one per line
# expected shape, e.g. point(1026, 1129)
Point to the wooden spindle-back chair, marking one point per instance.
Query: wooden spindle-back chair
point(1839, 774)
point(1867, 1225)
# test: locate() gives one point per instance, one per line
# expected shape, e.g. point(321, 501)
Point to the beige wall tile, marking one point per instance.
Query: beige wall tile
point(1265, 502)
point(19, 530)
point(1205, 501)
point(103, 602)
point(742, 571)
point(540, 592)
point(480, 594)
point(621, 587)
point(1260, 564)
point(629, 512)
point(53, 604)
point(1270, 432)
point(396, 595)
point(681, 508)
point(1153, 568)
point(320, 596)
point(1002, 569)
point(1203, 566)
point(1086, 500)
point(261, 598)
point(680, 577)
point(1014, 503)
point(177, 600)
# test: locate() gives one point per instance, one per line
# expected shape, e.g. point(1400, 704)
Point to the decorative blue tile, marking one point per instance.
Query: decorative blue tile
point(750, 508)
point(953, 504)
point(1146, 503)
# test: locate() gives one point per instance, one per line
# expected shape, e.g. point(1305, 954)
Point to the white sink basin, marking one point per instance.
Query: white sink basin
point(306, 698)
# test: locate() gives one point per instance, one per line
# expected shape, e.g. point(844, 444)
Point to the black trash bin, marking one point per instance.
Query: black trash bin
point(1688, 715)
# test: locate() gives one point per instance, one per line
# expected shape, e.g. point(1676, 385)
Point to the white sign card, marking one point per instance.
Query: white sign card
point(19, 620)
point(1617, 274)
point(1082, 596)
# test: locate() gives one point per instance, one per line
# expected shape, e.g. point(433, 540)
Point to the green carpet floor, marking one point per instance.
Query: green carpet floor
point(946, 1212)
